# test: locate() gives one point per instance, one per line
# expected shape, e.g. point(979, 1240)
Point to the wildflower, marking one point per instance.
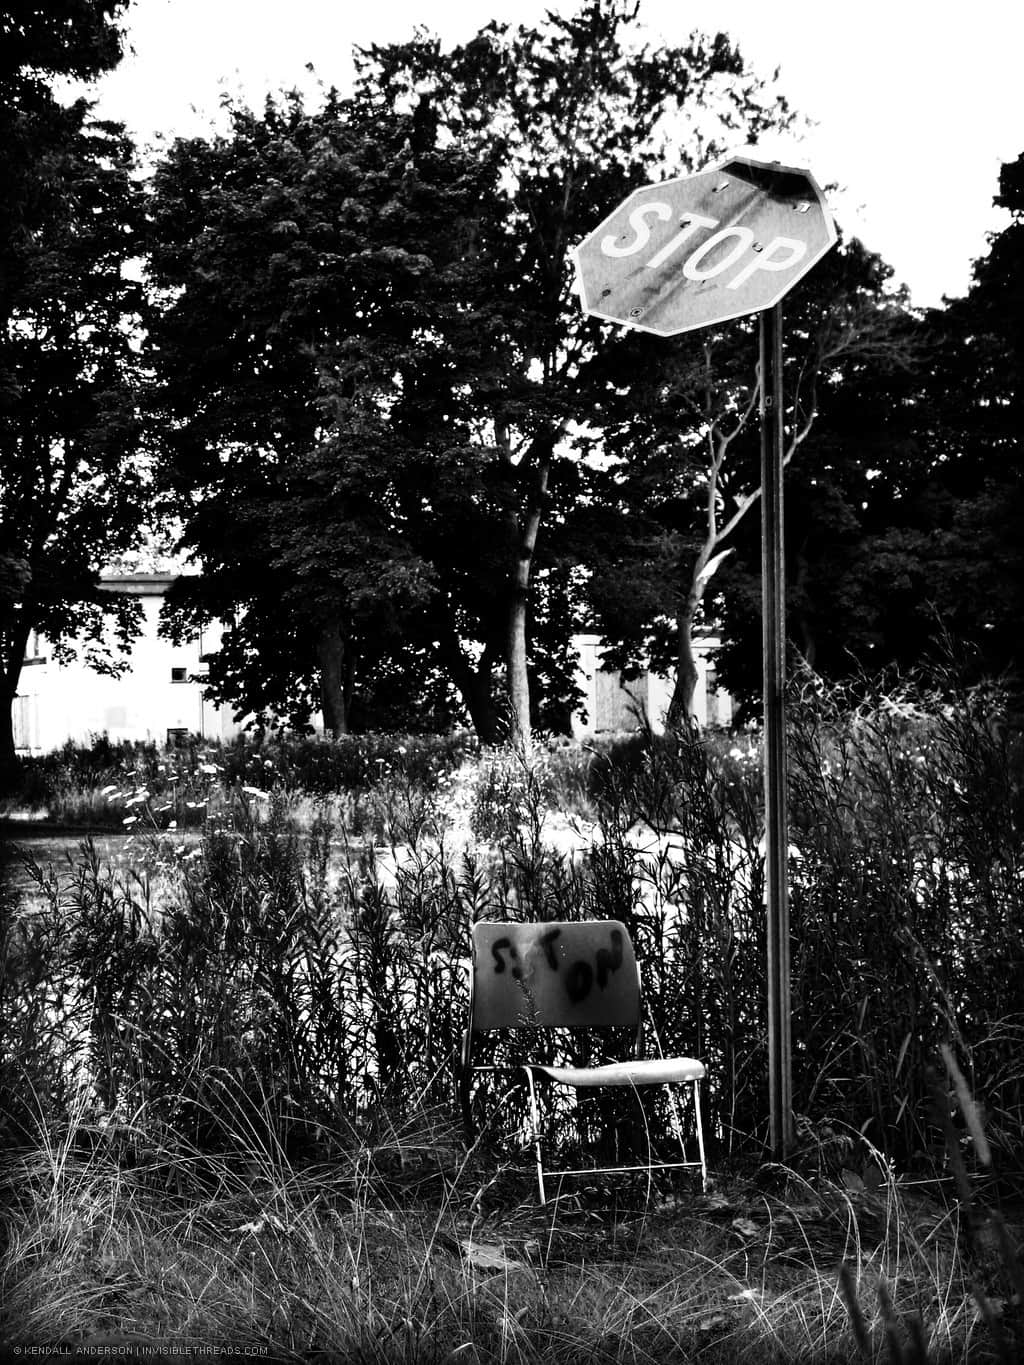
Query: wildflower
point(269, 1220)
point(208, 768)
point(129, 820)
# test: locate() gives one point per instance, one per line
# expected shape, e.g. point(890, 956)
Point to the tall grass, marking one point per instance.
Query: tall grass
point(908, 904)
point(302, 954)
point(396, 1256)
point(263, 1028)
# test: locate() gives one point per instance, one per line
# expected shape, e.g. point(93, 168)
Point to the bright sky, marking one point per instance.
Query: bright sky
point(916, 103)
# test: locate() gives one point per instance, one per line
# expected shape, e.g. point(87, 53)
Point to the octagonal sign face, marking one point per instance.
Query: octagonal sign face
point(701, 250)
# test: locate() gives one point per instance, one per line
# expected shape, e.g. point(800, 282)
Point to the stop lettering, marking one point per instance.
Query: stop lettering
point(698, 251)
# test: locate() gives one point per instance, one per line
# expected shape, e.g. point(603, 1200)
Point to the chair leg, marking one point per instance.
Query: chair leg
point(698, 1125)
point(673, 1100)
point(700, 1137)
point(535, 1119)
point(464, 1086)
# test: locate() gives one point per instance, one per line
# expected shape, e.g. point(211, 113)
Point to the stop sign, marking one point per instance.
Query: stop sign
point(700, 250)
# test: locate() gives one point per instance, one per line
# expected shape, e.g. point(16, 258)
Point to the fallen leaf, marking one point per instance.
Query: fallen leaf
point(489, 1256)
point(873, 1177)
point(745, 1227)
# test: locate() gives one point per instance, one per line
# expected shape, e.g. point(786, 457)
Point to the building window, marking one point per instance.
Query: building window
point(179, 675)
point(34, 650)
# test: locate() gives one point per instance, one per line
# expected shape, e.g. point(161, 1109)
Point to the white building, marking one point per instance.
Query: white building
point(612, 705)
point(160, 696)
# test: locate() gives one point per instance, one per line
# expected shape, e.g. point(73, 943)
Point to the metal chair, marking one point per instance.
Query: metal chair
point(580, 975)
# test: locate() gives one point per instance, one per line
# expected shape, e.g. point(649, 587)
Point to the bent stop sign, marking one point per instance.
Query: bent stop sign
point(697, 252)
point(701, 250)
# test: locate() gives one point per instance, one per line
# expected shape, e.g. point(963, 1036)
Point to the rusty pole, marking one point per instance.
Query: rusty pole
point(773, 589)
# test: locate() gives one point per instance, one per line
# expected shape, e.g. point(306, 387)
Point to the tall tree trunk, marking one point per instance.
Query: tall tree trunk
point(8, 757)
point(525, 544)
point(474, 684)
point(332, 661)
point(15, 639)
point(681, 708)
point(515, 656)
point(798, 596)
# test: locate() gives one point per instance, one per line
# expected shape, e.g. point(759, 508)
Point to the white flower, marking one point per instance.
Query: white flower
point(208, 768)
point(129, 820)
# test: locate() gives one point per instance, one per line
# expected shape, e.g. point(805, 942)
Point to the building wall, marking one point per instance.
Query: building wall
point(612, 705)
point(160, 692)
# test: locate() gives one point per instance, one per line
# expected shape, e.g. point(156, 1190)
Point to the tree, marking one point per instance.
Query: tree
point(694, 489)
point(904, 526)
point(72, 214)
point(582, 113)
point(76, 38)
point(437, 382)
point(976, 394)
point(313, 270)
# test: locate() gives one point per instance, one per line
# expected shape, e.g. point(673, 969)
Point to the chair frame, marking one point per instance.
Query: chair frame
point(532, 1006)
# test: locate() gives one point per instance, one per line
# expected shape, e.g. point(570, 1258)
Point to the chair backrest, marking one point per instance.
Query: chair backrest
point(562, 975)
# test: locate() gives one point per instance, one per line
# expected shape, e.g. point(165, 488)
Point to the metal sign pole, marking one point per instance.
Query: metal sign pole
point(780, 1079)
point(693, 252)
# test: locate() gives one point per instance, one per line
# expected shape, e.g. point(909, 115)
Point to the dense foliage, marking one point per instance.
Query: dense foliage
point(406, 465)
point(449, 390)
point(302, 936)
point(69, 437)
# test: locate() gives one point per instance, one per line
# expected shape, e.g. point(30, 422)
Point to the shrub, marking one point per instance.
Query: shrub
point(294, 968)
point(907, 904)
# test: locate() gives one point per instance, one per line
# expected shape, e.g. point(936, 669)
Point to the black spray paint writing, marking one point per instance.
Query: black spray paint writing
point(499, 961)
point(579, 976)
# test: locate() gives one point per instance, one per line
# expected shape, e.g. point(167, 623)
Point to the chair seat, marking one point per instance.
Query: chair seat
point(656, 1071)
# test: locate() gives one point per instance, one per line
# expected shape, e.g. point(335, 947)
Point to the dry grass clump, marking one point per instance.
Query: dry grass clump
point(416, 1252)
point(227, 1077)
